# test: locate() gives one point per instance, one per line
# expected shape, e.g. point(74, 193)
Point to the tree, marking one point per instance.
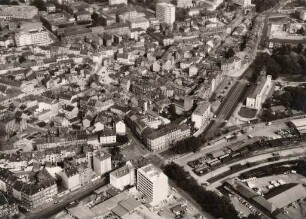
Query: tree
point(229, 53)
point(220, 207)
point(40, 4)
point(181, 14)
point(252, 216)
point(299, 48)
point(22, 59)
point(114, 151)
point(301, 31)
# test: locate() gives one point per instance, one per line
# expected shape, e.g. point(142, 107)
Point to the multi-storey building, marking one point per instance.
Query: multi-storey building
point(231, 65)
point(86, 174)
point(102, 163)
point(117, 2)
point(40, 189)
point(19, 12)
point(8, 206)
point(201, 114)
point(141, 22)
point(108, 137)
point(9, 124)
point(167, 135)
point(256, 98)
point(33, 37)
point(153, 183)
point(70, 178)
point(165, 12)
point(122, 177)
point(184, 3)
point(128, 12)
point(303, 15)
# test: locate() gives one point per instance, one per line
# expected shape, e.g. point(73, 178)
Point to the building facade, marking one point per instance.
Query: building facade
point(168, 135)
point(141, 22)
point(34, 37)
point(153, 183)
point(201, 114)
point(102, 163)
point(70, 178)
point(18, 12)
point(184, 3)
point(122, 177)
point(8, 206)
point(117, 2)
point(256, 98)
point(165, 13)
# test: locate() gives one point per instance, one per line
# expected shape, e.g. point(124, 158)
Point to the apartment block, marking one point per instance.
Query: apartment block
point(102, 163)
point(168, 135)
point(201, 114)
point(141, 22)
point(33, 37)
point(256, 98)
point(122, 177)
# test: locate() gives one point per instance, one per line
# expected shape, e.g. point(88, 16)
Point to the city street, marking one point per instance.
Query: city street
point(52, 208)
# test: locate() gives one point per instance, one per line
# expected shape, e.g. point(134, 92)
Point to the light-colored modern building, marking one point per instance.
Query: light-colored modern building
point(117, 2)
point(303, 15)
point(33, 37)
point(165, 13)
point(153, 183)
point(102, 163)
point(120, 128)
point(256, 98)
point(201, 114)
point(122, 177)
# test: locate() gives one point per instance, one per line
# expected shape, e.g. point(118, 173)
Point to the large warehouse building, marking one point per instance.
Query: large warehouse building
point(275, 199)
point(299, 125)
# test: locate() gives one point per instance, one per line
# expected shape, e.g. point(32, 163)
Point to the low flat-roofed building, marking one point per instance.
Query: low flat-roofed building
point(80, 211)
point(284, 195)
point(276, 198)
point(104, 208)
point(299, 125)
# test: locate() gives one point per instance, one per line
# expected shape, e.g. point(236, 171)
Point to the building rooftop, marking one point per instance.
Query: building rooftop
point(122, 171)
point(166, 130)
point(16, 9)
point(80, 211)
point(103, 156)
point(201, 108)
point(152, 172)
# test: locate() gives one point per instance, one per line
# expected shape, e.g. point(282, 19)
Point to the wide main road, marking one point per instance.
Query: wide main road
point(76, 195)
point(226, 109)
